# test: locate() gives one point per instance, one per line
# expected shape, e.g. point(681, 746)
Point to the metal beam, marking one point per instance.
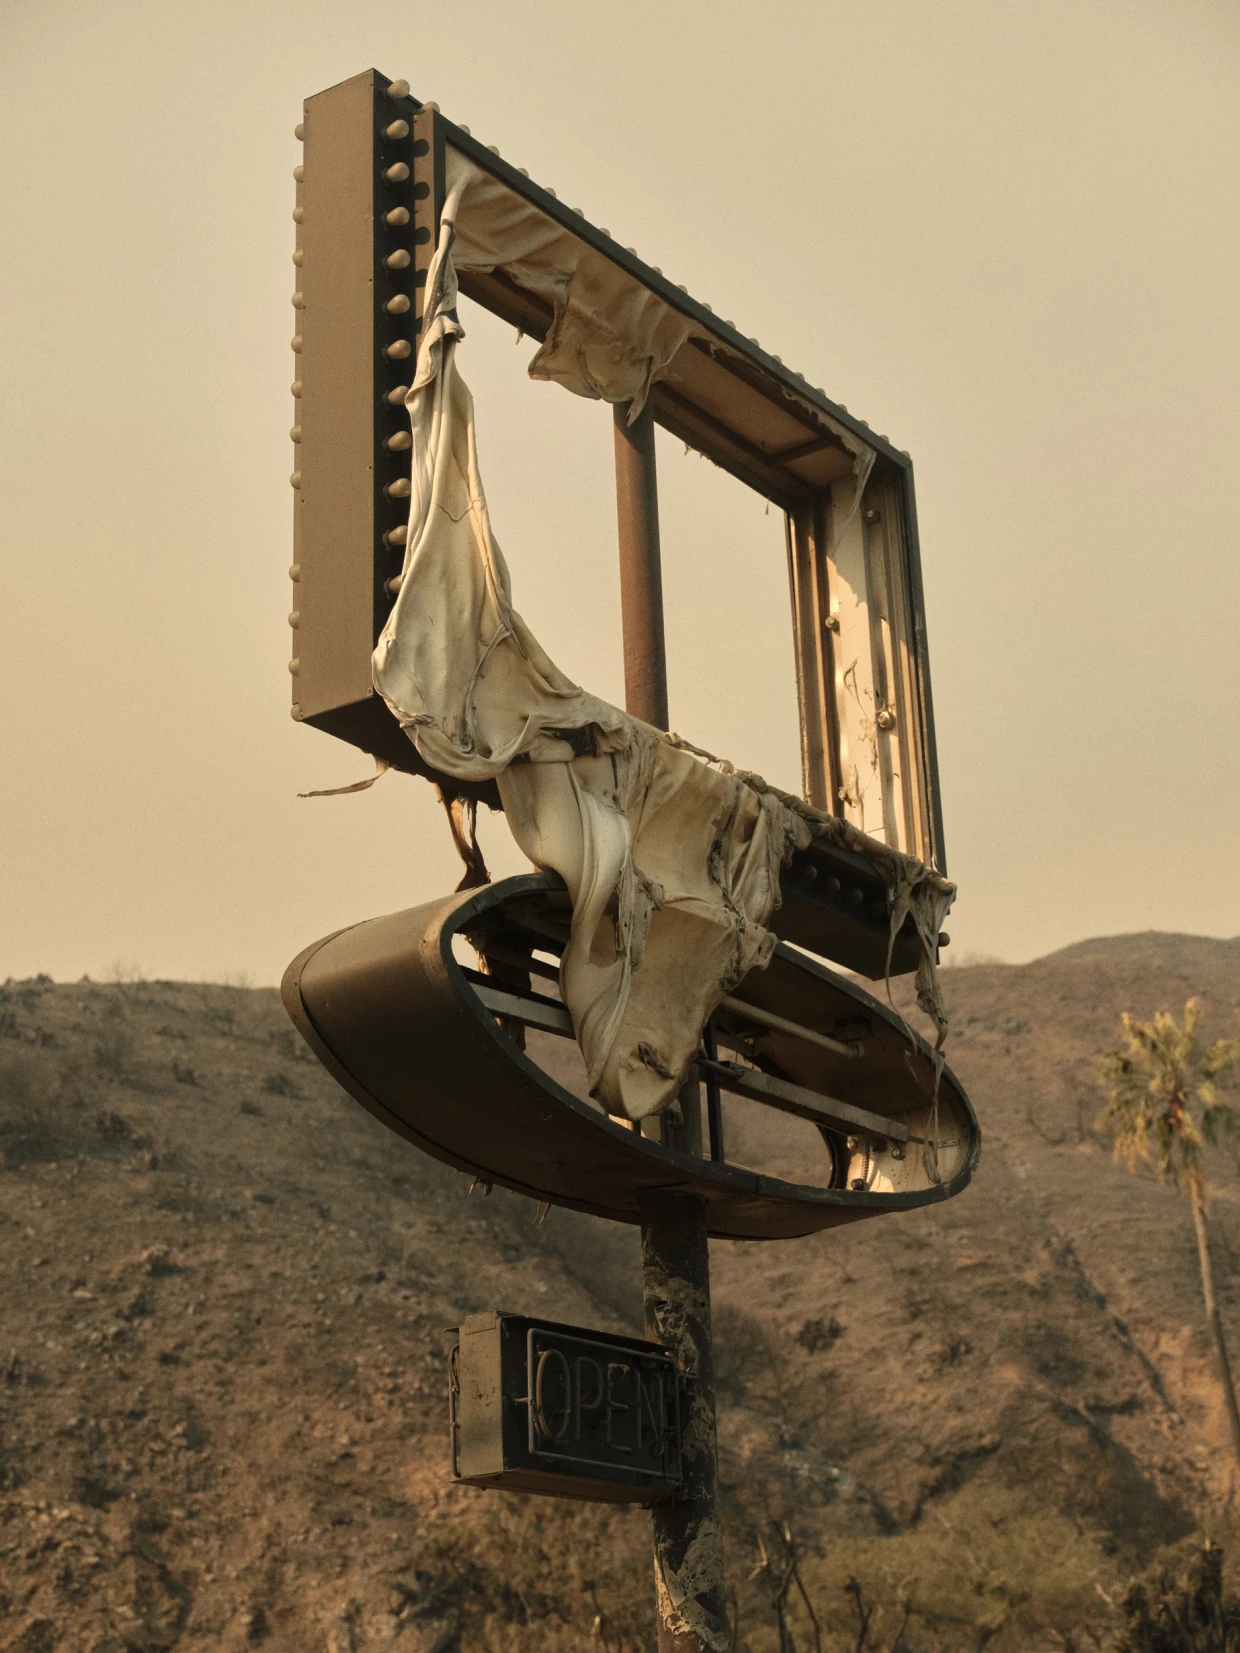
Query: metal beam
point(641, 574)
point(786, 1097)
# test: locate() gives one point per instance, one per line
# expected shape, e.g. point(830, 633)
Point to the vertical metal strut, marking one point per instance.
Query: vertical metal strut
point(641, 575)
point(688, 1535)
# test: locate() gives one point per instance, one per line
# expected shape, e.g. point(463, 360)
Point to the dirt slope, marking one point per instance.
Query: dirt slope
point(225, 1299)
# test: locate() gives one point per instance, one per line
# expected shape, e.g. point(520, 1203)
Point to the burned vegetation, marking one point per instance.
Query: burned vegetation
point(223, 1361)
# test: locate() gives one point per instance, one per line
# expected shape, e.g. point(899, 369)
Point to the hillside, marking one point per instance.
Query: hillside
point(226, 1299)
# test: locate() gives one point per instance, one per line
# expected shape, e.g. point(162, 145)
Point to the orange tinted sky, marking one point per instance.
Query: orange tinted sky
point(1005, 235)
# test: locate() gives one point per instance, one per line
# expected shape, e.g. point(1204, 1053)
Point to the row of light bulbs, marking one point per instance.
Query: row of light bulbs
point(399, 304)
point(398, 350)
point(299, 302)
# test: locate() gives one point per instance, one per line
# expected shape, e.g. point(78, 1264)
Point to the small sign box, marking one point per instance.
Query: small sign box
point(540, 1407)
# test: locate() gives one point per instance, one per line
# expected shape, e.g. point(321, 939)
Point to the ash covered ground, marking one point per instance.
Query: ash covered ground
point(227, 1295)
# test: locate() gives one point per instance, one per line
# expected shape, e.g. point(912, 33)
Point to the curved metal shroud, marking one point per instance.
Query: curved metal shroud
point(395, 1019)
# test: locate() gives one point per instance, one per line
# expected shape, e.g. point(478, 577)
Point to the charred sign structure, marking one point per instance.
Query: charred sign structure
point(564, 1033)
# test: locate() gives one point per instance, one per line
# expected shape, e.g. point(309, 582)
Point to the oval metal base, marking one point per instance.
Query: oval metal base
point(399, 1023)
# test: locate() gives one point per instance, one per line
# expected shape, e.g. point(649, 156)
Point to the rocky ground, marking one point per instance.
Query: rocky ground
point(227, 1295)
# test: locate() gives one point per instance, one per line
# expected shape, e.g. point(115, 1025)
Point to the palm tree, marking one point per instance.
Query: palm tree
point(1162, 1109)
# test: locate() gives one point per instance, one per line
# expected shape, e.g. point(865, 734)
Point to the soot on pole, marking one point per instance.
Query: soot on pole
point(688, 1538)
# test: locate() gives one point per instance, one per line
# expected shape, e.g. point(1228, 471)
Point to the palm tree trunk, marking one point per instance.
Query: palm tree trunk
point(1216, 1325)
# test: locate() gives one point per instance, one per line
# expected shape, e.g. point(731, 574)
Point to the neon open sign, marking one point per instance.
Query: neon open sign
point(540, 1407)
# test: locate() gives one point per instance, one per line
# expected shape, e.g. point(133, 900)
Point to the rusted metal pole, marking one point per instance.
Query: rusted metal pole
point(688, 1535)
point(641, 576)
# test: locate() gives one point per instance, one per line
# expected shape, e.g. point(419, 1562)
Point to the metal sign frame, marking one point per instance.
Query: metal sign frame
point(374, 159)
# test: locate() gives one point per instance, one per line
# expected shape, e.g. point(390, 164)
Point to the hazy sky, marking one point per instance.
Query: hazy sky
point(1004, 234)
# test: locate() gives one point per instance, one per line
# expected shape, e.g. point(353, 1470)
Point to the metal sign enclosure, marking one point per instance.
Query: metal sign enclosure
point(400, 1024)
point(369, 194)
point(541, 1407)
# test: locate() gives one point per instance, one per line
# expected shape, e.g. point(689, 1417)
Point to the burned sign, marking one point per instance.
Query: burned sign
point(683, 874)
point(677, 941)
point(381, 175)
point(540, 1407)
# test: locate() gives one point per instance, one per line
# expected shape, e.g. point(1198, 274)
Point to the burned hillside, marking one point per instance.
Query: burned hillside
point(228, 1299)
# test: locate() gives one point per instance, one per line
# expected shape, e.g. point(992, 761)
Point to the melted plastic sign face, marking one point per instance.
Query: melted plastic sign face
point(540, 1407)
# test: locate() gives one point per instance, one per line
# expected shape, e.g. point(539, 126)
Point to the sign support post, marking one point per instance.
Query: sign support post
point(688, 1536)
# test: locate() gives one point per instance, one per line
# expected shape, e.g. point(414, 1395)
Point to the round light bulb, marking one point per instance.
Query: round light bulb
point(398, 89)
point(397, 174)
point(398, 350)
point(400, 442)
point(397, 218)
point(398, 305)
point(397, 131)
point(399, 260)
